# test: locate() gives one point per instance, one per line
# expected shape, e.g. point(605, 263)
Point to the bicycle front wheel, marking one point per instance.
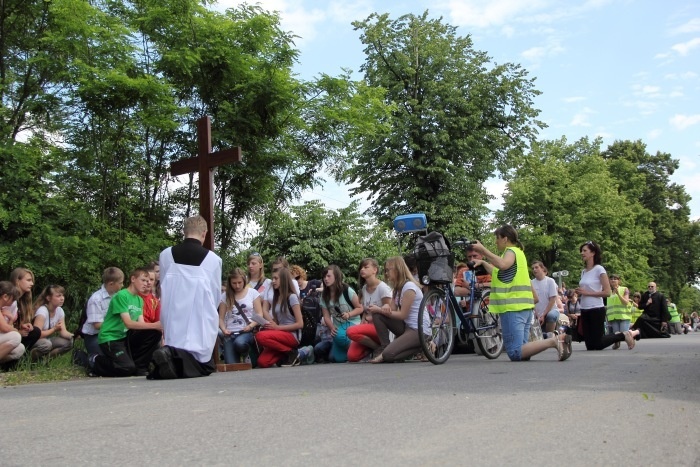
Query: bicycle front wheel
point(489, 336)
point(436, 326)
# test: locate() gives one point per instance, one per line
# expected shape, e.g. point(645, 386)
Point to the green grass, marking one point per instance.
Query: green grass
point(45, 370)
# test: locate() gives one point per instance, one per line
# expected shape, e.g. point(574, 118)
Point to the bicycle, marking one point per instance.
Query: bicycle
point(440, 303)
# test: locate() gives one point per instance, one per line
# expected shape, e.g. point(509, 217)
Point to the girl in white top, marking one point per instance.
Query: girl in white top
point(401, 317)
point(374, 294)
point(546, 309)
point(280, 335)
point(256, 274)
point(238, 305)
point(593, 286)
point(50, 318)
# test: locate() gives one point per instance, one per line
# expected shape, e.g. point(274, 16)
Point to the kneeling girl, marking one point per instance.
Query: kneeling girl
point(280, 336)
point(238, 305)
point(401, 317)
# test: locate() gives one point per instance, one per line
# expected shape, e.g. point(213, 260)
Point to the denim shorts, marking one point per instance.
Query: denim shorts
point(552, 316)
point(516, 332)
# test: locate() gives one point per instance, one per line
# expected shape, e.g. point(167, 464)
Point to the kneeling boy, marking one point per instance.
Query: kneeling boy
point(126, 341)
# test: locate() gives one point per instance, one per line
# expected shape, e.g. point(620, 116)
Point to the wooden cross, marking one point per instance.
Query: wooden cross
point(203, 163)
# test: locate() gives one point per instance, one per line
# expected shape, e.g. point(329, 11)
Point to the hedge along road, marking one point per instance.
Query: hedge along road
point(622, 407)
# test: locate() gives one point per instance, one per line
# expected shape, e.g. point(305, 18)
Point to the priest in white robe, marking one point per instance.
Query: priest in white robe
point(190, 280)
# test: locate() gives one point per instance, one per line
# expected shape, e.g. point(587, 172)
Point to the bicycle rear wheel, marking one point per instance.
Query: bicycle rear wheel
point(489, 336)
point(437, 326)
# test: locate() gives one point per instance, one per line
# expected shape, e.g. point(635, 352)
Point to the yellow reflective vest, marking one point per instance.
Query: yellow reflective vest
point(515, 295)
point(673, 311)
point(615, 309)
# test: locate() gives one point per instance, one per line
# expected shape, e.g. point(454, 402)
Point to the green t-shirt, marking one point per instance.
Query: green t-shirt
point(113, 327)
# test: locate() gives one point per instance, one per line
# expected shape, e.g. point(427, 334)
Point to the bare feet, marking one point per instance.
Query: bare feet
point(629, 339)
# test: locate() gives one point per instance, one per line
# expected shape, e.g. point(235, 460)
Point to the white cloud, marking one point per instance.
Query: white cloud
point(655, 133)
point(688, 75)
point(684, 48)
point(573, 99)
point(483, 14)
point(293, 16)
point(691, 26)
point(581, 118)
point(681, 122)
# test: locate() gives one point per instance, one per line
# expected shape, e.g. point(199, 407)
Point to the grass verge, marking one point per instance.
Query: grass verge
point(45, 370)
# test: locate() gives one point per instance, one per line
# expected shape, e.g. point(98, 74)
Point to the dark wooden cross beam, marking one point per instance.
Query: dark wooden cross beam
point(203, 163)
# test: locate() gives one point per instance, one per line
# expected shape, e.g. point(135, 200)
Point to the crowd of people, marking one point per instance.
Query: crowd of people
point(168, 319)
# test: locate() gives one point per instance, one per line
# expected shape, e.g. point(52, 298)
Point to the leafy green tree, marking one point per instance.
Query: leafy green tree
point(643, 178)
point(314, 237)
point(562, 196)
point(457, 118)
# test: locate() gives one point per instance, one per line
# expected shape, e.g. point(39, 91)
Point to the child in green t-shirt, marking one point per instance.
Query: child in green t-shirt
point(126, 340)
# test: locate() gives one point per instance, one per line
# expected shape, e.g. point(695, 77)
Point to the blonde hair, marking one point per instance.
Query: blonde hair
point(401, 274)
point(24, 302)
point(195, 225)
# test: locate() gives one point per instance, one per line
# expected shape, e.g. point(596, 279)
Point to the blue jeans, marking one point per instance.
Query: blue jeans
point(235, 346)
point(341, 344)
point(322, 351)
point(516, 332)
point(619, 325)
point(552, 316)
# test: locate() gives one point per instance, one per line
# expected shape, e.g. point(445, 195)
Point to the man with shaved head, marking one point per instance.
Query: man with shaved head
point(654, 320)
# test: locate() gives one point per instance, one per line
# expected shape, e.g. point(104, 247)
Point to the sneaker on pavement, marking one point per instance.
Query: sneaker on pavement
point(292, 358)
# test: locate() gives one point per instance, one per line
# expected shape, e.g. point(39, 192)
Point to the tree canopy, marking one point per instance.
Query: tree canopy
point(457, 118)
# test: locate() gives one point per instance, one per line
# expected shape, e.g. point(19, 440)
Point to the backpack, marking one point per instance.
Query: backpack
point(311, 313)
point(83, 319)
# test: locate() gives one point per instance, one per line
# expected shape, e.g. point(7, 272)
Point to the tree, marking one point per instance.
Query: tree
point(561, 197)
point(674, 255)
point(314, 237)
point(456, 119)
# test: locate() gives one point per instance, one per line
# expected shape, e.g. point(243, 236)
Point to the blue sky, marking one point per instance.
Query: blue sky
point(618, 69)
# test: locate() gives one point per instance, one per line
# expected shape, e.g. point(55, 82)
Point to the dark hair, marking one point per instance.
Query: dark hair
point(230, 294)
point(138, 272)
point(49, 291)
point(509, 232)
point(8, 288)
point(597, 253)
point(411, 262)
point(335, 290)
point(540, 264)
point(285, 289)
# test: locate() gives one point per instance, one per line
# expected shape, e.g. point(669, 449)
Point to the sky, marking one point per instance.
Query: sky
point(615, 69)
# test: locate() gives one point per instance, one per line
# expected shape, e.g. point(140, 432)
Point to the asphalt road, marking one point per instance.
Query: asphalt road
point(613, 407)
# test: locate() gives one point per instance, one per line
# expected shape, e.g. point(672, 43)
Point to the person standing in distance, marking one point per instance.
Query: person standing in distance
point(190, 283)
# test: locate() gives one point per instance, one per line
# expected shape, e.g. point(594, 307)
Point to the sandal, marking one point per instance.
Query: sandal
point(567, 347)
point(560, 347)
point(377, 359)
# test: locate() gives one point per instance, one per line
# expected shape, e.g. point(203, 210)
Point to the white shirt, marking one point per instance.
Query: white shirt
point(190, 298)
point(96, 310)
point(375, 298)
point(233, 320)
point(412, 318)
point(546, 289)
point(590, 280)
point(48, 321)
